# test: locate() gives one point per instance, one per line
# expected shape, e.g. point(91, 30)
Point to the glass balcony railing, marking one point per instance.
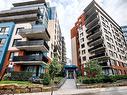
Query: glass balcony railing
point(36, 32)
point(95, 40)
point(27, 44)
point(30, 58)
point(97, 55)
point(96, 47)
point(93, 34)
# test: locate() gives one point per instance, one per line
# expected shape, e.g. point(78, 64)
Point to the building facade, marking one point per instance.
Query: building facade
point(124, 29)
point(34, 39)
point(64, 59)
point(28, 45)
point(97, 36)
point(55, 42)
point(6, 30)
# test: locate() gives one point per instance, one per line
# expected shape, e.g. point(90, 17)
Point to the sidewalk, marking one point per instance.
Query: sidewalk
point(69, 84)
point(93, 91)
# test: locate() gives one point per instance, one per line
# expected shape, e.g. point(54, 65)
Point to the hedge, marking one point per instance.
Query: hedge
point(21, 76)
point(103, 79)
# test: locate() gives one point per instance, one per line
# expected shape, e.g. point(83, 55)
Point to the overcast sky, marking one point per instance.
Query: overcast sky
point(69, 10)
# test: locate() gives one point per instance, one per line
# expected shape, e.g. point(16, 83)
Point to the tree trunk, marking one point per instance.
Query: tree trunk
point(52, 84)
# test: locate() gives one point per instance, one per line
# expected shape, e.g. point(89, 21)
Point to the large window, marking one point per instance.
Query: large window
point(4, 30)
point(83, 45)
point(17, 30)
point(15, 41)
point(84, 58)
point(83, 51)
point(2, 41)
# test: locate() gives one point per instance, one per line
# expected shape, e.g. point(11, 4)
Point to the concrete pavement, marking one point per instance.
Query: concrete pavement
point(69, 88)
point(69, 84)
point(93, 91)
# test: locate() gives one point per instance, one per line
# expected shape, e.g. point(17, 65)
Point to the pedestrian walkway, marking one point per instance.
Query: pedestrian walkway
point(69, 84)
point(92, 91)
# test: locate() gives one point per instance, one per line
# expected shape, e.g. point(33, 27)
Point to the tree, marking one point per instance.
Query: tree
point(93, 69)
point(54, 68)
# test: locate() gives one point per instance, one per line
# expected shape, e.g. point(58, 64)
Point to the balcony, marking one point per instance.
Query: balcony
point(38, 45)
point(96, 48)
point(97, 55)
point(20, 18)
point(19, 11)
point(96, 33)
point(37, 32)
point(92, 18)
point(95, 41)
point(97, 26)
point(32, 59)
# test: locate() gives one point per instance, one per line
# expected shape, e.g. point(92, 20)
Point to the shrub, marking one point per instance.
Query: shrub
point(21, 76)
point(107, 79)
point(42, 76)
point(7, 76)
point(46, 79)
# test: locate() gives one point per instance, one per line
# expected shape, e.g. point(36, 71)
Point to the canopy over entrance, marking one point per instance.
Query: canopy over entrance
point(70, 71)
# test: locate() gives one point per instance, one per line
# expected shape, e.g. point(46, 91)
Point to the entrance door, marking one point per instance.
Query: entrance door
point(70, 75)
point(37, 70)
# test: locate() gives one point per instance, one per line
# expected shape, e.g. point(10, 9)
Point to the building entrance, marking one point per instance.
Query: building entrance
point(70, 71)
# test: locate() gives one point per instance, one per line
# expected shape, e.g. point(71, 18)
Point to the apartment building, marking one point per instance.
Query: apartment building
point(124, 29)
point(64, 59)
point(97, 36)
point(56, 36)
point(28, 45)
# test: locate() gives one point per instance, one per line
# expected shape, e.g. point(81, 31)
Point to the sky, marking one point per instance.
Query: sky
point(69, 10)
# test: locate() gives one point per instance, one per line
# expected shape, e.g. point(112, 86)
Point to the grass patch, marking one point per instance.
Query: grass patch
point(20, 83)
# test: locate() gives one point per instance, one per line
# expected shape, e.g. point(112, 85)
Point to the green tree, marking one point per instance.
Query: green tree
point(93, 69)
point(54, 68)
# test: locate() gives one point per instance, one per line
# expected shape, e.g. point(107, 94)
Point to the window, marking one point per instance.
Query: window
point(2, 41)
point(83, 51)
point(108, 27)
point(104, 24)
point(118, 49)
point(105, 30)
point(4, 30)
point(83, 45)
point(111, 40)
point(120, 56)
point(81, 34)
point(15, 41)
point(109, 45)
point(17, 30)
point(84, 58)
point(113, 47)
point(107, 37)
point(102, 18)
point(116, 55)
point(111, 53)
point(82, 40)
point(110, 33)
